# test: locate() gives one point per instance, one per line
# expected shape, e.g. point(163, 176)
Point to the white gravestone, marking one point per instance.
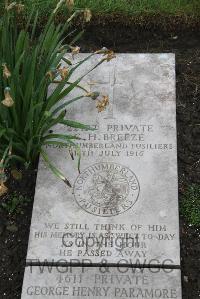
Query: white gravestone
point(113, 283)
point(124, 202)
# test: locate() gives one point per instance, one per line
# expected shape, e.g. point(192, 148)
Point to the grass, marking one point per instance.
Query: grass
point(127, 7)
point(141, 6)
point(190, 205)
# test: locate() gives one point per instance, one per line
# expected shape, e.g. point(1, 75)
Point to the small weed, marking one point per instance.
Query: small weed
point(15, 203)
point(190, 205)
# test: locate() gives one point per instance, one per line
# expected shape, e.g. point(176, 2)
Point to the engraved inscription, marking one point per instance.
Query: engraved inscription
point(106, 189)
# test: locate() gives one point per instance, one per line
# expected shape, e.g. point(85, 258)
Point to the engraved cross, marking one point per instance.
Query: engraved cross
point(109, 86)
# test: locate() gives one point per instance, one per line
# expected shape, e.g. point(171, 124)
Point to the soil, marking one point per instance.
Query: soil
point(129, 38)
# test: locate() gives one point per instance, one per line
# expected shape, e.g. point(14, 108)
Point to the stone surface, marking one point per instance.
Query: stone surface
point(112, 283)
point(124, 203)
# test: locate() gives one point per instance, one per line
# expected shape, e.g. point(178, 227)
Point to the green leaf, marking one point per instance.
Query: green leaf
point(75, 124)
point(61, 136)
point(34, 25)
point(78, 149)
point(48, 123)
point(59, 93)
point(29, 57)
point(66, 104)
point(16, 158)
point(56, 171)
point(2, 132)
point(77, 37)
point(67, 61)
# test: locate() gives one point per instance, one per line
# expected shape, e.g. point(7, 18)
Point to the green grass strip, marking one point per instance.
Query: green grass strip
point(126, 7)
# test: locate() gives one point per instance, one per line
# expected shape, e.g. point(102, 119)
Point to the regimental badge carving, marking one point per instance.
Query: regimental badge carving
point(106, 189)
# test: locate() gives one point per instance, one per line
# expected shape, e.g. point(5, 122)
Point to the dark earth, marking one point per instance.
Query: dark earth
point(153, 37)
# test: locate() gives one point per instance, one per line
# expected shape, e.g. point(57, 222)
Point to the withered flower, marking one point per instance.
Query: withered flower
point(109, 56)
point(51, 74)
point(108, 53)
point(104, 50)
point(93, 95)
point(101, 105)
point(11, 6)
point(8, 101)
point(6, 72)
point(3, 189)
point(70, 4)
point(2, 174)
point(75, 50)
point(63, 72)
point(19, 8)
point(87, 15)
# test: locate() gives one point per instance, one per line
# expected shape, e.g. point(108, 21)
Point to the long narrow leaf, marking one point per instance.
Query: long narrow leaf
point(66, 104)
point(56, 171)
point(75, 124)
point(60, 136)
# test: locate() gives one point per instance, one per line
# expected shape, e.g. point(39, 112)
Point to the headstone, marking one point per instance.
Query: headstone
point(119, 221)
point(113, 283)
point(123, 204)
